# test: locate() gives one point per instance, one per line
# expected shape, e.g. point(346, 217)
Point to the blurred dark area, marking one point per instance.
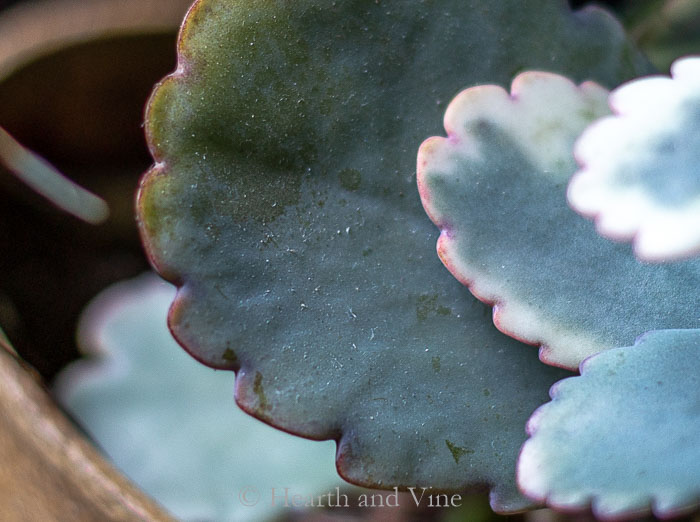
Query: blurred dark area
point(8, 3)
point(614, 4)
point(81, 108)
point(575, 3)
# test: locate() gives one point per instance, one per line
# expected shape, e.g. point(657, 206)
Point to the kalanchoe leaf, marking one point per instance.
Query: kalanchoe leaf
point(622, 437)
point(496, 189)
point(283, 204)
point(168, 422)
point(640, 175)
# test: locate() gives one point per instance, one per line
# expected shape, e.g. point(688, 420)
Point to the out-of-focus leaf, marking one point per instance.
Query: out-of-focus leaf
point(283, 204)
point(496, 189)
point(171, 425)
point(640, 174)
point(622, 437)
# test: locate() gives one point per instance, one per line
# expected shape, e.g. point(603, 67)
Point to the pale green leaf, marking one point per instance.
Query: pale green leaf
point(623, 437)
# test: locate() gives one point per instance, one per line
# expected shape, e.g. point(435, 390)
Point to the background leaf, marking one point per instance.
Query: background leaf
point(640, 175)
point(496, 189)
point(623, 436)
point(50, 183)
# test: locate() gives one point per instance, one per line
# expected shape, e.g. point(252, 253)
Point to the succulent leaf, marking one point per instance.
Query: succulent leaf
point(622, 437)
point(640, 175)
point(283, 205)
point(496, 189)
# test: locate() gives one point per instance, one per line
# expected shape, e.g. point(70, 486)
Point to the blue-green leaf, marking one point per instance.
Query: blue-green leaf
point(283, 204)
point(623, 437)
point(496, 188)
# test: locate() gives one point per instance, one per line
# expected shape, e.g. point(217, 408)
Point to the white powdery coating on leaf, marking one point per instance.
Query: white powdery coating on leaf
point(546, 142)
point(640, 175)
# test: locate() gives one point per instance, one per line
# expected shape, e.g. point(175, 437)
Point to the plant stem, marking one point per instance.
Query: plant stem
point(49, 182)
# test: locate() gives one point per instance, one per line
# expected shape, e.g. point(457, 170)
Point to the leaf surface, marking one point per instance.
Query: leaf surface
point(496, 188)
point(623, 436)
point(283, 204)
point(640, 175)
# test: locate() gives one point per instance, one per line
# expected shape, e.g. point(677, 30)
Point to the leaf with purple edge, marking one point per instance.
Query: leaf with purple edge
point(640, 176)
point(623, 437)
point(496, 188)
point(282, 204)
